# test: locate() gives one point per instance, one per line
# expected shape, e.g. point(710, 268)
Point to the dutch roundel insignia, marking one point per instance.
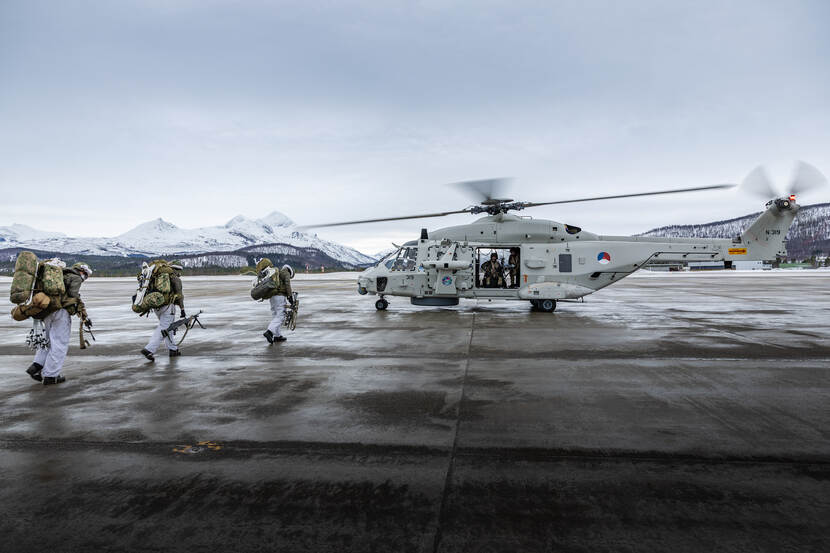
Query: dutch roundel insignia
point(604, 258)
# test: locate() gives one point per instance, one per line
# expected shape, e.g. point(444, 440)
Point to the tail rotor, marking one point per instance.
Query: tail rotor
point(805, 178)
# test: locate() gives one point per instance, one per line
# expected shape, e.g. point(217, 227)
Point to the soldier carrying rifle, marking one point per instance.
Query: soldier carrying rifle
point(49, 293)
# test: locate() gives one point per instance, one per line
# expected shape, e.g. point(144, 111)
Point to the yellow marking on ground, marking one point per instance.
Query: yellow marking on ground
point(200, 447)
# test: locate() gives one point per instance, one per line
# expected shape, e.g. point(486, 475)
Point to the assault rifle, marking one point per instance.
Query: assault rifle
point(187, 323)
point(85, 322)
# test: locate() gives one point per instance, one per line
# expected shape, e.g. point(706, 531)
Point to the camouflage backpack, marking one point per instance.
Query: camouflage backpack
point(264, 286)
point(38, 287)
point(158, 287)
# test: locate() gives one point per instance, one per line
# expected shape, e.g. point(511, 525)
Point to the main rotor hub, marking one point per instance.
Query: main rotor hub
point(494, 206)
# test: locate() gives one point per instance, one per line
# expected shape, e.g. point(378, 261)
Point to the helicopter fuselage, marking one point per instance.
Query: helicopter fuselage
point(552, 261)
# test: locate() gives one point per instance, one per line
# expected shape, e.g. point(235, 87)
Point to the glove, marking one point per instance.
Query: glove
point(88, 323)
point(184, 315)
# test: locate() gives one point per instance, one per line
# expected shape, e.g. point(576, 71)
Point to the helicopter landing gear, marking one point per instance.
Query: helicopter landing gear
point(381, 304)
point(544, 305)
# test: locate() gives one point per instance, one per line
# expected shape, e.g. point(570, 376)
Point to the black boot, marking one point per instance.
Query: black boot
point(146, 353)
point(53, 380)
point(280, 338)
point(34, 371)
point(174, 352)
point(269, 336)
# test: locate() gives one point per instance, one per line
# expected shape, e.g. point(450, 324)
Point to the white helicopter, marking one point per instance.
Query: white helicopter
point(504, 256)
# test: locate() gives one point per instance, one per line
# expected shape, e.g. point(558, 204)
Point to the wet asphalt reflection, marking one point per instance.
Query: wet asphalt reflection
point(668, 412)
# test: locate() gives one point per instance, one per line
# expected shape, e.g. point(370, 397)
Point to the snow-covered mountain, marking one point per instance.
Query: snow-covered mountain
point(383, 253)
point(23, 233)
point(809, 234)
point(159, 237)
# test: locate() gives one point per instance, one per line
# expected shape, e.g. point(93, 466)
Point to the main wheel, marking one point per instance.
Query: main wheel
point(546, 305)
point(381, 304)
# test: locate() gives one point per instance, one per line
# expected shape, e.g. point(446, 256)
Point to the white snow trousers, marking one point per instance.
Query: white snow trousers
point(58, 328)
point(166, 316)
point(278, 312)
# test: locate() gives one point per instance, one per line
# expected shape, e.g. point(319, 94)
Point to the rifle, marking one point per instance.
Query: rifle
point(187, 323)
point(85, 322)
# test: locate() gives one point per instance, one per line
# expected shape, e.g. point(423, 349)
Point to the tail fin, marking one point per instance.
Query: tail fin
point(765, 239)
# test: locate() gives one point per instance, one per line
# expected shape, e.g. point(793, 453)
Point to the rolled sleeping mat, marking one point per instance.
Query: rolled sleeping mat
point(25, 272)
point(40, 301)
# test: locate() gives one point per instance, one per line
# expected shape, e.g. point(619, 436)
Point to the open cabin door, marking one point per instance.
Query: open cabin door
point(508, 267)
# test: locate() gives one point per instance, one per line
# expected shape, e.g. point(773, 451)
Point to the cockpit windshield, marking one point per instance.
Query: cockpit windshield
point(387, 257)
point(405, 259)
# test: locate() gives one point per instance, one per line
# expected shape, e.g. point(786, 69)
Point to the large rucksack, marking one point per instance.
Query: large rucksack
point(264, 286)
point(37, 286)
point(154, 286)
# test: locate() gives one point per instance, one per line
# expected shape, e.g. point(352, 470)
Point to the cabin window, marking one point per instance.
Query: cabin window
point(565, 263)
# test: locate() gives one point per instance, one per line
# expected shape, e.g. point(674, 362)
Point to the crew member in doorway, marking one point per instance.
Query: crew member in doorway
point(493, 272)
point(513, 267)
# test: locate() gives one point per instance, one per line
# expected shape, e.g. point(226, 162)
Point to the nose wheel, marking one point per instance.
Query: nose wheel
point(381, 304)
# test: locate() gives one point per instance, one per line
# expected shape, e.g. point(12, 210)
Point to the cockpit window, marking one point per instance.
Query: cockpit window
point(570, 229)
point(386, 258)
point(404, 260)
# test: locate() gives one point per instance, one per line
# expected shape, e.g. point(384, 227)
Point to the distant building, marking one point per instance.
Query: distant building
point(706, 265)
point(751, 265)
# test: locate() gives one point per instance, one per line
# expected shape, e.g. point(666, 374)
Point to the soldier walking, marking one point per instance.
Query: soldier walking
point(48, 362)
point(277, 297)
point(166, 313)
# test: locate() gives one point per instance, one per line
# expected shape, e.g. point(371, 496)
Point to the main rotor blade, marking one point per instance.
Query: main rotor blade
point(806, 177)
point(758, 183)
point(380, 220)
point(483, 190)
point(639, 194)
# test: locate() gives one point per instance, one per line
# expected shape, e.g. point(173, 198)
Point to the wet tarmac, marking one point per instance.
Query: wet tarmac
point(666, 413)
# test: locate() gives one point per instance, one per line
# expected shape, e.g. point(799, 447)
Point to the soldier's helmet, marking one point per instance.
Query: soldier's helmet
point(290, 269)
point(263, 264)
point(84, 269)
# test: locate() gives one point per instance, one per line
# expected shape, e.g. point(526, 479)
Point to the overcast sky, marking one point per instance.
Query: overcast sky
point(114, 113)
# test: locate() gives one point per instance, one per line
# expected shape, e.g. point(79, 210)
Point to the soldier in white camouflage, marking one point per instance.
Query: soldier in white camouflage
point(277, 298)
point(166, 314)
point(48, 362)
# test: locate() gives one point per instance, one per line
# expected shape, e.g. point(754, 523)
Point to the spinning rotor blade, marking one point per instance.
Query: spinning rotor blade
point(660, 192)
point(484, 190)
point(362, 221)
point(758, 183)
point(806, 177)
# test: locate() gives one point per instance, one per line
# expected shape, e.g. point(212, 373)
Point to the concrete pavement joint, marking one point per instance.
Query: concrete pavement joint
point(451, 465)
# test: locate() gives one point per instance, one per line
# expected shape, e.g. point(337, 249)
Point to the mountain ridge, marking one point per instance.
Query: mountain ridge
point(809, 234)
point(159, 237)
